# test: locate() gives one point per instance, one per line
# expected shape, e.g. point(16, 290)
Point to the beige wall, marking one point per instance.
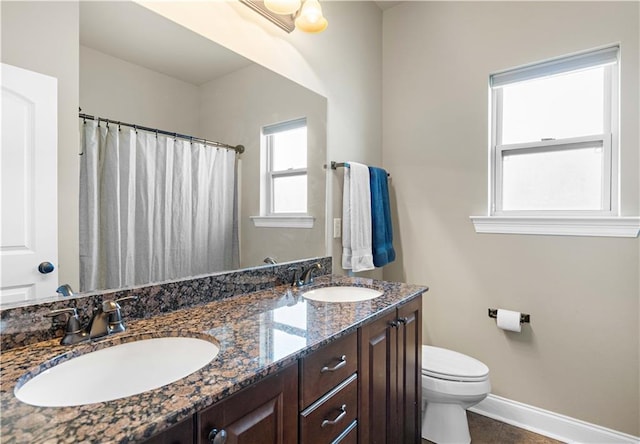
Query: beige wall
point(43, 37)
point(235, 107)
point(579, 356)
point(113, 88)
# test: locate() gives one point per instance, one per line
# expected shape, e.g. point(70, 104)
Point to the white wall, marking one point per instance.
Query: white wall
point(43, 37)
point(580, 355)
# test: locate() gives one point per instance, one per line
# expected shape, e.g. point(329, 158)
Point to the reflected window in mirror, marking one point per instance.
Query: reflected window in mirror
point(285, 168)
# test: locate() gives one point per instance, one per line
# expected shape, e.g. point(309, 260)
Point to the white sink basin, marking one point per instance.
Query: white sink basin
point(342, 294)
point(117, 372)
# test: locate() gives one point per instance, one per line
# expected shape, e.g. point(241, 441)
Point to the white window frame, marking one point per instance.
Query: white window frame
point(268, 217)
point(603, 222)
point(271, 175)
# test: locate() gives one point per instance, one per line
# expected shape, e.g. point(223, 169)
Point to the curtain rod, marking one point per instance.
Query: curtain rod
point(238, 148)
point(335, 165)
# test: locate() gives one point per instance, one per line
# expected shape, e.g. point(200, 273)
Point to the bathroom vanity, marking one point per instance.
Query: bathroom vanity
point(289, 370)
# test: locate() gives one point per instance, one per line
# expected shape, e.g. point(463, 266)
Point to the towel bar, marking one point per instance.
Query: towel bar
point(335, 165)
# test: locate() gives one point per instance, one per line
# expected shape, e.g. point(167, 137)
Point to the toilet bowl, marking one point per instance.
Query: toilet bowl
point(451, 383)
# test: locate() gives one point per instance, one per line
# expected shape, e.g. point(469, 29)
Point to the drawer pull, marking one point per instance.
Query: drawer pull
point(343, 413)
point(338, 366)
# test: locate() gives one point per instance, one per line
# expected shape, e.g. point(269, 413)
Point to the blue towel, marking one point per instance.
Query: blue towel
point(381, 232)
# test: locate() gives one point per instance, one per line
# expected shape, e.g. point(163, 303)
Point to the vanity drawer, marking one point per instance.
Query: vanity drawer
point(332, 415)
point(325, 368)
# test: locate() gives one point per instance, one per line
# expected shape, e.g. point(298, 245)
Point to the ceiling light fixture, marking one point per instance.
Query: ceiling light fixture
point(310, 18)
point(283, 7)
point(307, 15)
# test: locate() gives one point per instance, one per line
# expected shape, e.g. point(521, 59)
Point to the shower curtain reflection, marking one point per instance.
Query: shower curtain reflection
point(153, 208)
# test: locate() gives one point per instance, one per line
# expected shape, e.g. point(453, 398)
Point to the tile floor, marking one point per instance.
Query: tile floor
point(489, 431)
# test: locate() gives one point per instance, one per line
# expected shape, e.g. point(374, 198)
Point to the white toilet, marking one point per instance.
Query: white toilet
point(451, 383)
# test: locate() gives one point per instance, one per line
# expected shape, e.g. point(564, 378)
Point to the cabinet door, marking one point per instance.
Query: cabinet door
point(409, 371)
point(265, 412)
point(377, 380)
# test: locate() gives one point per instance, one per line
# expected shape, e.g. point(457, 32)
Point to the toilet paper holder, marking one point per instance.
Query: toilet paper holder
point(524, 318)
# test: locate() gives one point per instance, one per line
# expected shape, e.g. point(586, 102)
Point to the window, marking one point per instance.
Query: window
point(284, 176)
point(554, 149)
point(554, 137)
point(286, 167)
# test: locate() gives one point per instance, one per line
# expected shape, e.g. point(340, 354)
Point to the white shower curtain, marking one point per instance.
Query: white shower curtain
point(153, 208)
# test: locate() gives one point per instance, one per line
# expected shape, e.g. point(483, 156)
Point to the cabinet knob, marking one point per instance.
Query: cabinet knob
point(217, 436)
point(46, 267)
point(393, 324)
point(403, 320)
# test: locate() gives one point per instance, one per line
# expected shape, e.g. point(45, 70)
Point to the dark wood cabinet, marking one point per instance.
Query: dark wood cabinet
point(389, 373)
point(266, 412)
point(327, 367)
point(329, 393)
point(410, 371)
point(364, 387)
point(181, 433)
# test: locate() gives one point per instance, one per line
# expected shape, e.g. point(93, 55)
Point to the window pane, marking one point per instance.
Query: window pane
point(290, 194)
point(289, 149)
point(569, 179)
point(568, 105)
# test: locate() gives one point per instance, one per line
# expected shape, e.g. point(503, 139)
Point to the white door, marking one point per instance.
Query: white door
point(28, 185)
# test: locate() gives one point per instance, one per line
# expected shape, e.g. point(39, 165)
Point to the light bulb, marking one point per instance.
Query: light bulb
point(282, 7)
point(310, 18)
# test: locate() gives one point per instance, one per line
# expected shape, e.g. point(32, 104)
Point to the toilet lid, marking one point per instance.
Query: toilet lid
point(450, 365)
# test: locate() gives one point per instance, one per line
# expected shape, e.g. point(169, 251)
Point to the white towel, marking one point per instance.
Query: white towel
point(356, 219)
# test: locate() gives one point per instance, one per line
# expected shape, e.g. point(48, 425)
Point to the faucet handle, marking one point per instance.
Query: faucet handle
point(127, 298)
point(110, 306)
point(73, 332)
point(116, 324)
point(295, 279)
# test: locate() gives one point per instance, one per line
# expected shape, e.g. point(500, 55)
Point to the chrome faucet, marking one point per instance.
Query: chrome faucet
point(65, 290)
point(106, 320)
point(73, 331)
point(306, 278)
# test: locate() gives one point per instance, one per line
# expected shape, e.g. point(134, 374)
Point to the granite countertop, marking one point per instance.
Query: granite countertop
point(258, 333)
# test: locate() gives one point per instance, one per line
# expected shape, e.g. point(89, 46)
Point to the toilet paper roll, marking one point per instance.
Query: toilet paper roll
point(509, 320)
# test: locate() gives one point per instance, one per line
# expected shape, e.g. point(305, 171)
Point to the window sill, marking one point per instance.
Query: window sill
point(301, 221)
point(558, 226)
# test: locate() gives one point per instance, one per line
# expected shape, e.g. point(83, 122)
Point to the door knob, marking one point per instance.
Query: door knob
point(46, 267)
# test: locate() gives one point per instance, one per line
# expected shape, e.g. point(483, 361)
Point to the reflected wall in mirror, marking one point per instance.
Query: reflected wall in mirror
point(140, 68)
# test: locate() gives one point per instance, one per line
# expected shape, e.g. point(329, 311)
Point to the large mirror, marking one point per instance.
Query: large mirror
point(140, 68)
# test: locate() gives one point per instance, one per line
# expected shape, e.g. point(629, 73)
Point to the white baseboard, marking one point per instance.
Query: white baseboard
point(553, 425)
